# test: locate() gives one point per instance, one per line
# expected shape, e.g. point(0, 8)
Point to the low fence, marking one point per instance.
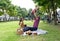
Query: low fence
point(8, 18)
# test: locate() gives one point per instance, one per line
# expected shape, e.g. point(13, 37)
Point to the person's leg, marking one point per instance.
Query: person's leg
point(26, 29)
point(33, 29)
point(30, 28)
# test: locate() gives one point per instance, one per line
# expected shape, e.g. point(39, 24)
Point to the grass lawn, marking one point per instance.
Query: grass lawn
point(8, 32)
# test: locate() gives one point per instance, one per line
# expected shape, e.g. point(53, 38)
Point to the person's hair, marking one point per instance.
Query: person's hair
point(25, 25)
point(21, 19)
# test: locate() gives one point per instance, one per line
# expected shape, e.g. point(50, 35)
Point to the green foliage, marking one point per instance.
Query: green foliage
point(1, 13)
point(11, 9)
point(19, 11)
point(49, 4)
point(22, 12)
point(4, 4)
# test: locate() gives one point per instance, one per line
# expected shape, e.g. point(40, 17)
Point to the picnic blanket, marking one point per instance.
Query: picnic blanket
point(39, 31)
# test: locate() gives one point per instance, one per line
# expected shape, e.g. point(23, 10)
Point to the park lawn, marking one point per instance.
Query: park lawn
point(8, 32)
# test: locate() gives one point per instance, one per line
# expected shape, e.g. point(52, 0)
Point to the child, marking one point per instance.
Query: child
point(21, 24)
point(20, 30)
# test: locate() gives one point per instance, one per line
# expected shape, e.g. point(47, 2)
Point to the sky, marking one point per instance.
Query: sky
point(24, 3)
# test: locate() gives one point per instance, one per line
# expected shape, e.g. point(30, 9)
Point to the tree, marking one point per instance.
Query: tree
point(4, 4)
point(12, 10)
point(24, 12)
point(21, 12)
point(49, 4)
point(8, 7)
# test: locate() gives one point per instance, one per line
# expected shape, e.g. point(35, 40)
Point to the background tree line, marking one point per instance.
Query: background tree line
point(11, 9)
point(49, 6)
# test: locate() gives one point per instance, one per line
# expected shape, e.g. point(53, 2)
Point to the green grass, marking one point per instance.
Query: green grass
point(8, 32)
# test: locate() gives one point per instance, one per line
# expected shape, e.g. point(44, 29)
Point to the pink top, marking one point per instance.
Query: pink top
point(36, 22)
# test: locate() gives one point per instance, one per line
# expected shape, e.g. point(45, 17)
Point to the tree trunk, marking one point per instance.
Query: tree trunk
point(5, 19)
point(49, 13)
point(54, 7)
point(55, 17)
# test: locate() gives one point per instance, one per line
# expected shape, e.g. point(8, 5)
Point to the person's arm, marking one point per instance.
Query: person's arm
point(35, 15)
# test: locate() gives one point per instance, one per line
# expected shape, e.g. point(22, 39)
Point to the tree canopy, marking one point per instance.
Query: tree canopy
point(11, 9)
point(47, 5)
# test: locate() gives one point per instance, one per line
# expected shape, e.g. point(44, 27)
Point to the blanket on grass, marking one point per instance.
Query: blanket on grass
point(39, 31)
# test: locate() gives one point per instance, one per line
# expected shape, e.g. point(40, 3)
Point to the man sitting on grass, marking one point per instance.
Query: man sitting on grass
point(35, 25)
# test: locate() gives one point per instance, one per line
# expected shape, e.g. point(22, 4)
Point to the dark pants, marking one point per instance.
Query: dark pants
point(30, 28)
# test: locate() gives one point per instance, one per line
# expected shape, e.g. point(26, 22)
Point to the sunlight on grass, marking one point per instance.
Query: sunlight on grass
point(8, 32)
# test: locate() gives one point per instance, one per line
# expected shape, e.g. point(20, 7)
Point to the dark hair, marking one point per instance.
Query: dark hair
point(25, 25)
point(20, 19)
